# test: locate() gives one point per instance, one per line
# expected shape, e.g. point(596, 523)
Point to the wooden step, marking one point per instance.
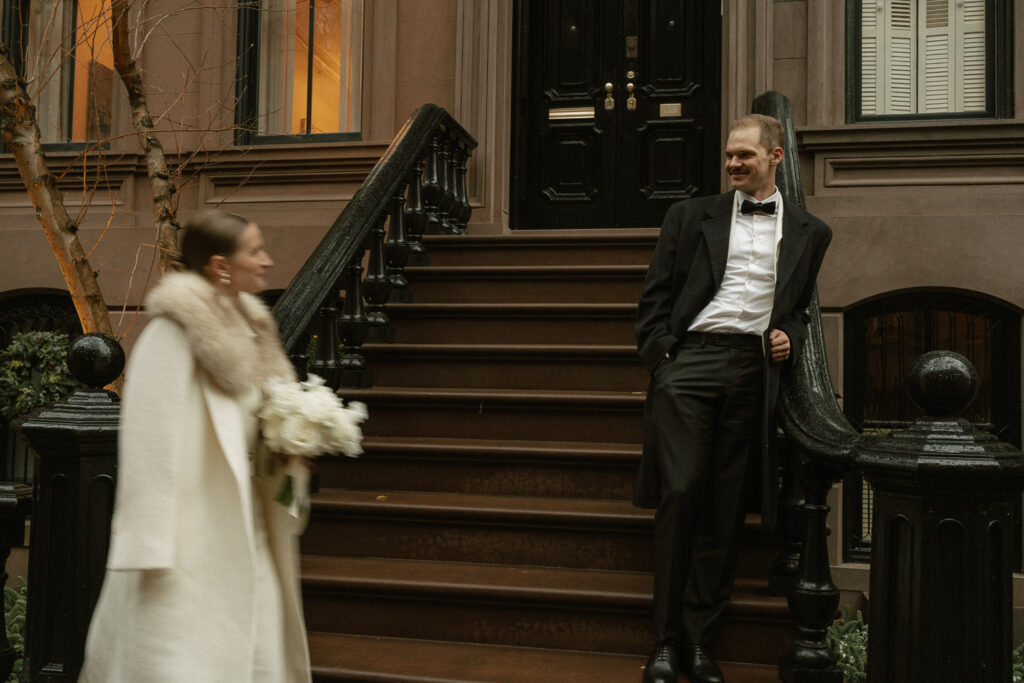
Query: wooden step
point(343, 658)
point(507, 366)
point(489, 323)
point(573, 609)
point(512, 530)
point(571, 469)
point(607, 416)
point(526, 284)
point(543, 248)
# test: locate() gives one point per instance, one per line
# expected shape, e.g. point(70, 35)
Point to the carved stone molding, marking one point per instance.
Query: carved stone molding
point(894, 171)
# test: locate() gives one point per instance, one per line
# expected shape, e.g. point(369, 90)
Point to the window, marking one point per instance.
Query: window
point(929, 58)
point(63, 51)
point(300, 69)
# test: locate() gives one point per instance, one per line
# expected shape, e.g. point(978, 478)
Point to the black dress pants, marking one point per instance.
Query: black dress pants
point(704, 404)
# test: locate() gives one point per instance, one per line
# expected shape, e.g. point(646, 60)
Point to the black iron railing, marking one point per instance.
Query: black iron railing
point(417, 187)
point(940, 474)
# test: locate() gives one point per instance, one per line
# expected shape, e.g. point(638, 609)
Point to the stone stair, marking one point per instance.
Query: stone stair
point(486, 534)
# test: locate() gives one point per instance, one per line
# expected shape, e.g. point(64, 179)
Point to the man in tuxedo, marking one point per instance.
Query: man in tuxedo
point(723, 311)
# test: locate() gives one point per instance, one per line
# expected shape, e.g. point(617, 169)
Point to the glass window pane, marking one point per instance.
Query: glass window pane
point(310, 66)
point(93, 72)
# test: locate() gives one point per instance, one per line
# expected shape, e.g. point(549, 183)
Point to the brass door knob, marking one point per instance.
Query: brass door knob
point(609, 101)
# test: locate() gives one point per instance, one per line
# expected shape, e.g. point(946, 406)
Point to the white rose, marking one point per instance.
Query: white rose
point(297, 435)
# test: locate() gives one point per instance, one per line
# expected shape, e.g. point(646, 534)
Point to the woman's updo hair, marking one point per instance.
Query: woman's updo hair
point(210, 233)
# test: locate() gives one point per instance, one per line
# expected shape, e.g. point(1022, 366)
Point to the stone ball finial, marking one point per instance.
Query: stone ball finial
point(942, 383)
point(95, 360)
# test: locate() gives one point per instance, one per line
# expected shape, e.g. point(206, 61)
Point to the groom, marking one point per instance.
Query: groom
point(723, 311)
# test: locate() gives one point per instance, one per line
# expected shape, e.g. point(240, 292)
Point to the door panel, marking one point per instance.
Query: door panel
point(580, 160)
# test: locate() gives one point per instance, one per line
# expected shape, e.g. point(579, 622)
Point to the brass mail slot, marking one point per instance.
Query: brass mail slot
point(671, 109)
point(562, 113)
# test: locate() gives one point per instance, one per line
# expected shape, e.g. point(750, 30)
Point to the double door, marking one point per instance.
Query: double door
point(617, 106)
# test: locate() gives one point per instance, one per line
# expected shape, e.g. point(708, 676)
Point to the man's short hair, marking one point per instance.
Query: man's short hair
point(772, 135)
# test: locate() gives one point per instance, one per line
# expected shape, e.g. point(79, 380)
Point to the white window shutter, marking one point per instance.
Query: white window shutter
point(900, 65)
point(872, 56)
point(937, 56)
point(970, 56)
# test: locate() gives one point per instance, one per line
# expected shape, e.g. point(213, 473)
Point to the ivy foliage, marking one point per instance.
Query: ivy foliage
point(34, 372)
point(848, 638)
point(1018, 664)
point(14, 609)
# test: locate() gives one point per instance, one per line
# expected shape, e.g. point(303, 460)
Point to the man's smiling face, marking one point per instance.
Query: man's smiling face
point(750, 166)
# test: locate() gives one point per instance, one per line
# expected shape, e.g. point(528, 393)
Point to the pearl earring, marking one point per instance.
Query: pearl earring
point(225, 278)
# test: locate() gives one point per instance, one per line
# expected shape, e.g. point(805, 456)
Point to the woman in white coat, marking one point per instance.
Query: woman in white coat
point(202, 573)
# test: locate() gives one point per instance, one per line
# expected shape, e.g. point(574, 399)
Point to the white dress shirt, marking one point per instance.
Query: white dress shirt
point(743, 303)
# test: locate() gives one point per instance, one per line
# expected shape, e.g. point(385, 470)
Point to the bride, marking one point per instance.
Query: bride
point(202, 574)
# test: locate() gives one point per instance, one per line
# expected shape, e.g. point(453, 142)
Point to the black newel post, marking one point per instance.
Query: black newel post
point(74, 498)
point(942, 542)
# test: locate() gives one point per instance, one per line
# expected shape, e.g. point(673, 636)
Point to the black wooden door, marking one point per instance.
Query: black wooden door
point(617, 106)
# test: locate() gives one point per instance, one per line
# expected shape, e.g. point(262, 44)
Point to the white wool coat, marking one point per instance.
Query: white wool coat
point(178, 598)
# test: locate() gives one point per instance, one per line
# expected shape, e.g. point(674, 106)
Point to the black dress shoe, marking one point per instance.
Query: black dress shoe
point(661, 665)
point(696, 664)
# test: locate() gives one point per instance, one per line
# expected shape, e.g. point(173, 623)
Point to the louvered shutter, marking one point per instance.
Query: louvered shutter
point(970, 57)
point(923, 56)
point(899, 69)
point(937, 56)
point(872, 51)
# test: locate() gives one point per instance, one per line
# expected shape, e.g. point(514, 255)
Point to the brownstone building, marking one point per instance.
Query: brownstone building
point(592, 116)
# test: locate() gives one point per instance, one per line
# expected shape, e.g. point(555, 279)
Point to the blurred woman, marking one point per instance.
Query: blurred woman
point(202, 573)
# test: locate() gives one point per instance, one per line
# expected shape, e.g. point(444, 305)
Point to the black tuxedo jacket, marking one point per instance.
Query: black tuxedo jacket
point(685, 273)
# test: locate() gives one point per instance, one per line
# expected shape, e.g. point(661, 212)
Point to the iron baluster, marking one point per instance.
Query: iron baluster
point(462, 208)
point(792, 522)
point(415, 217)
point(327, 363)
point(447, 203)
point(433, 188)
point(377, 284)
point(396, 249)
point(814, 599)
point(353, 326)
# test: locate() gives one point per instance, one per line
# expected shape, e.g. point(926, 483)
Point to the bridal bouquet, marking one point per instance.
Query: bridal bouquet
point(306, 420)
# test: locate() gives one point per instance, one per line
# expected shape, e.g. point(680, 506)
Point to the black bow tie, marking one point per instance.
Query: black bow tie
point(748, 207)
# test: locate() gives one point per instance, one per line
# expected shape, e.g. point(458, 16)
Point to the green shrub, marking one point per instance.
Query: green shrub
point(848, 638)
point(14, 609)
point(34, 373)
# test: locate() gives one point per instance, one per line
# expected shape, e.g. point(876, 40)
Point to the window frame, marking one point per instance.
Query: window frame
point(998, 68)
point(247, 88)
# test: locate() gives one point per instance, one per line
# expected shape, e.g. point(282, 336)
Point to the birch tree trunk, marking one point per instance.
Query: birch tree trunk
point(160, 180)
point(20, 132)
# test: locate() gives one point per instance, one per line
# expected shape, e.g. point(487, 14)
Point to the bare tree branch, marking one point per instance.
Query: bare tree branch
point(20, 131)
point(160, 180)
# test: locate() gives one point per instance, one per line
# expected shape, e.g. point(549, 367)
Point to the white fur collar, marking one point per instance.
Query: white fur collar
point(236, 345)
